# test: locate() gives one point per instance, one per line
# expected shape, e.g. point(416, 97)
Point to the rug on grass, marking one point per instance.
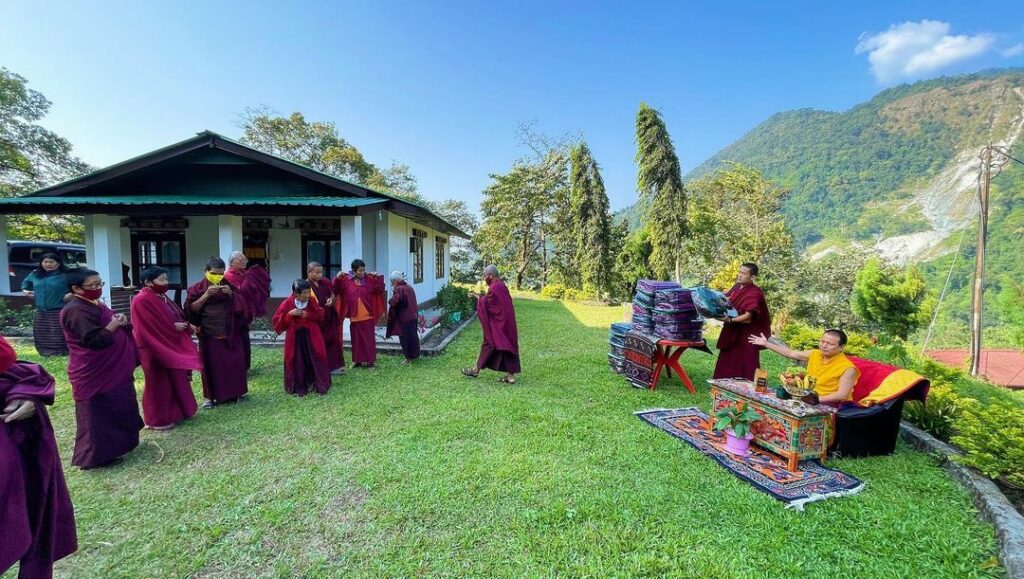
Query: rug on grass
point(765, 471)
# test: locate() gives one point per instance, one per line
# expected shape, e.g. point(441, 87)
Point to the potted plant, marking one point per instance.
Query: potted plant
point(736, 420)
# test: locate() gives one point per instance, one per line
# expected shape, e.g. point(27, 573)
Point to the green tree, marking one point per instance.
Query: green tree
point(892, 298)
point(466, 263)
point(824, 289)
point(735, 214)
point(517, 217)
point(1011, 301)
point(632, 263)
point(660, 182)
point(315, 144)
point(32, 157)
point(398, 180)
point(588, 203)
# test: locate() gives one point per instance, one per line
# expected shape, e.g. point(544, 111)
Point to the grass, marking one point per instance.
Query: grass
point(421, 471)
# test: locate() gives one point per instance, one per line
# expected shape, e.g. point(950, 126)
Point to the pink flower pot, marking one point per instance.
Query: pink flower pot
point(737, 446)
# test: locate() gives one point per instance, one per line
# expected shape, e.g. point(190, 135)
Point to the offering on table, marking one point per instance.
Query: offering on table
point(761, 380)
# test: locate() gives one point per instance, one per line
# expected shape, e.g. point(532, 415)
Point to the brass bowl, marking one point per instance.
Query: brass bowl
point(796, 391)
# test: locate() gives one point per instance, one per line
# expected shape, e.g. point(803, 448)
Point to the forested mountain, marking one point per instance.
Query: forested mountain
point(899, 174)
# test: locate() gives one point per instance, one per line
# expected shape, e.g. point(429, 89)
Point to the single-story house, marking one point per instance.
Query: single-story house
point(208, 196)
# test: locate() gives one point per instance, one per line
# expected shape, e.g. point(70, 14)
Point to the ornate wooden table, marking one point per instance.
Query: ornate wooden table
point(790, 428)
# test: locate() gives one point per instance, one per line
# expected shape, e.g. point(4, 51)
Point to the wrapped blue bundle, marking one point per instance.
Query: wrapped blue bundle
point(711, 303)
point(620, 328)
point(617, 363)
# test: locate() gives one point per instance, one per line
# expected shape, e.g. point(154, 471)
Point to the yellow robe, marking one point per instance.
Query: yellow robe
point(828, 374)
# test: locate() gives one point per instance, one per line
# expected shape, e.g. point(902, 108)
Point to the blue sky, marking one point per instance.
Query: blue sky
point(443, 86)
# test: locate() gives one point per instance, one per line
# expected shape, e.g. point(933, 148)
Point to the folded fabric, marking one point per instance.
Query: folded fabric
point(680, 336)
point(650, 285)
point(639, 354)
point(878, 383)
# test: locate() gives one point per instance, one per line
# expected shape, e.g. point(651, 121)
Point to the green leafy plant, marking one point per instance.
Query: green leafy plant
point(738, 417)
point(553, 290)
point(992, 439)
point(938, 416)
point(803, 337)
point(454, 298)
point(12, 317)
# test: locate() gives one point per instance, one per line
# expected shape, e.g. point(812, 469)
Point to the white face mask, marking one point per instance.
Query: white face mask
point(300, 305)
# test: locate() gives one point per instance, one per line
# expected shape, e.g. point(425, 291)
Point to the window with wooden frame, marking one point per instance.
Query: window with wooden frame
point(416, 248)
point(440, 271)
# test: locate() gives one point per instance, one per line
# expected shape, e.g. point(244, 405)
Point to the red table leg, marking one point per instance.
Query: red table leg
point(673, 364)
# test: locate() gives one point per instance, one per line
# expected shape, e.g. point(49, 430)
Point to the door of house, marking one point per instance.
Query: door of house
point(323, 249)
point(165, 249)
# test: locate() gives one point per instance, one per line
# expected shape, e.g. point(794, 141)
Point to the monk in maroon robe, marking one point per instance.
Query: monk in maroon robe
point(330, 327)
point(254, 285)
point(305, 357)
point(217, 308)
point(37, 521)
point(101, 369)
point(737, 358)
point(500, 350)
point(403, 317)
point(164, 340)
point(362, 296)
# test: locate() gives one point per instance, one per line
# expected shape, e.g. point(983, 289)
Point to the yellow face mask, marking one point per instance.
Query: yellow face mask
point(214, 278)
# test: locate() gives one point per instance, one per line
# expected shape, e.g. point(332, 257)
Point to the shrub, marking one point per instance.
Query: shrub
point(992, 439)
point(803, 337)
point(12, 317)
point(571, 294)
point(555, 291)
point(939, 415)
point(453, 298)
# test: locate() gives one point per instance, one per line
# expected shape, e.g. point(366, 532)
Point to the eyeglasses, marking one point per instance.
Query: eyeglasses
point(96, 285)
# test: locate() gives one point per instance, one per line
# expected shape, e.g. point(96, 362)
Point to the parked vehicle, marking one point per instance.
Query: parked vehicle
point(24, 257)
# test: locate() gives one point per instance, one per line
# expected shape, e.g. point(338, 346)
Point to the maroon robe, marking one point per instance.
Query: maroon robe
point(254, 286)
point(101, 369)
point(305, 357)
point(738, 358)
point(221, 321)
point(403, 319)
point(370, 291)
point(330, 327)
point(37, 521)
point(500, 350)
point(168, 357)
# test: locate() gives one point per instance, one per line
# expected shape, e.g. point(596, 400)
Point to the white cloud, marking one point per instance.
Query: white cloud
point(914, 49)
point(1013, 50)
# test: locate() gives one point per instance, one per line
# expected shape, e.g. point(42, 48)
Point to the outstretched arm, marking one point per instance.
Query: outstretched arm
point(761, 340)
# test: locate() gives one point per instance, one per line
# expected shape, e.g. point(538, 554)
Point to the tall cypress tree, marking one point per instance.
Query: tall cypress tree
point(592, 227)
point(660, 182)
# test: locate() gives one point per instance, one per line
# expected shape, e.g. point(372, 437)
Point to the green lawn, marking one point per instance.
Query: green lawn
point(421, 471)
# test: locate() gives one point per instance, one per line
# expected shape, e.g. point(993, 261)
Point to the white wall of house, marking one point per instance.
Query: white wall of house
point(285, 260)
point(370, 243)
point(202, 241)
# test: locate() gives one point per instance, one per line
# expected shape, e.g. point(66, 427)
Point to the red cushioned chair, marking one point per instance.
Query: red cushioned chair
point(870, 424)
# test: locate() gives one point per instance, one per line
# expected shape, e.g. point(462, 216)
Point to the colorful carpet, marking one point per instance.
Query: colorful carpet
point(765, 471)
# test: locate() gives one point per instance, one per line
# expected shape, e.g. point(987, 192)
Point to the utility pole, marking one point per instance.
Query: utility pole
point(988, 163)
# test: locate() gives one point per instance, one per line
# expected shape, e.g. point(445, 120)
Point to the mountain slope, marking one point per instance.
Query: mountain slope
point(897, 172)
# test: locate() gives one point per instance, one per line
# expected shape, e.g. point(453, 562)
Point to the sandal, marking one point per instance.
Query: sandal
point(470, 372)
point(507, 380)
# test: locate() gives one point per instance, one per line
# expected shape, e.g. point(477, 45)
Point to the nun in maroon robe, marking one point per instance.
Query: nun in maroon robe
point(403, 317)
point(737, 358)
point(500, 350)
point(330, 327)
point(101, 369)
point(164, 340)
point(305, 358)
point(220, 312)
point(362, 296)
point(254, 285)
point(37, 521)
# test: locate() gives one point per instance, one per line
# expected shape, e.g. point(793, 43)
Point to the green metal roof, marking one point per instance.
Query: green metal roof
point(319, 201)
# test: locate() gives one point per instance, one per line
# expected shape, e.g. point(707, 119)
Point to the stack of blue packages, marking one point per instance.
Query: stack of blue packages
point(617, 342)
point(644, 302)
point(675, 316)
